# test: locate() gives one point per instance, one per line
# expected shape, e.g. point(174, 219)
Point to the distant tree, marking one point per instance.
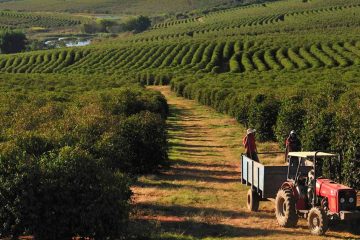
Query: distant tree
point(37, 45)
point(103, 26)
point(138, 24)
point(90, 28)
point(12, 41)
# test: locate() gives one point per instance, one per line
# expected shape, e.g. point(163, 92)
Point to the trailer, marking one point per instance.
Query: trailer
point(264, 181)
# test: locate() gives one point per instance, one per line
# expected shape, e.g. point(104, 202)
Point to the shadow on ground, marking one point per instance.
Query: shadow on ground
point(187, 211)
point(166, 185)
point(201, 230)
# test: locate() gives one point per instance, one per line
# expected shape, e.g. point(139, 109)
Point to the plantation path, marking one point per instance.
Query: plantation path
point(200, 195)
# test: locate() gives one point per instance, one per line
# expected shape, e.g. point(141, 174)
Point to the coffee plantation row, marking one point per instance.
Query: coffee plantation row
point(21, 20)
point(273, 17)
point(73, 144)
point(216, 57)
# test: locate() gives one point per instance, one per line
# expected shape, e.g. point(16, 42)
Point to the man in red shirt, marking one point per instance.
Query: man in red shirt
point(250, 145)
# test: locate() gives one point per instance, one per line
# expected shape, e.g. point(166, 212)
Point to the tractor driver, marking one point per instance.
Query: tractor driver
point(310, 184)
point(250, 145)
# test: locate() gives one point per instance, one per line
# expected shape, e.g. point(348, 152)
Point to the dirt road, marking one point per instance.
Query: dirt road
point(200, 196)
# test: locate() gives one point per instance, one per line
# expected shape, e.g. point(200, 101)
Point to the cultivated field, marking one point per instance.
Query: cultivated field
point(107, 6)
point(21, 20)
point(229, 65)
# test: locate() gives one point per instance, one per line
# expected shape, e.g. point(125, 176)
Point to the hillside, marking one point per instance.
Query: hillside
point(294, 36)
point(149, 7)
point(44, 21)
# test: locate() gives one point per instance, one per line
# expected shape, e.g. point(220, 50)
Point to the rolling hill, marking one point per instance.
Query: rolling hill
point(149, 7)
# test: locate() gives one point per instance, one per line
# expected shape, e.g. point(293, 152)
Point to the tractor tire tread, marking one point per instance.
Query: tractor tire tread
point(323, 221)
point(290, 217)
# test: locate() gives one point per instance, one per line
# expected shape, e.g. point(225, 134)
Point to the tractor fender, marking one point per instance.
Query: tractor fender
point(287, 185)
point(300, 201)
point(290, 185)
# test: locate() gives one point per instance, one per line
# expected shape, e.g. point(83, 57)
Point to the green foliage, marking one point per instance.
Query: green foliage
point(34, 145)
point(290, 117)
point(71, 142)
point(137, 144)
point(82, 189)
point(20, 178)
point(37, 22)
point(92, 28)
point(347, 139)
point(234, 64)
point(12, 42)
point(102, 26)
point(183, 57)
point(138, 24)
point(262, 116)
point(63, 194)
point(133, 7)
point(240, 108)
point(319, 127)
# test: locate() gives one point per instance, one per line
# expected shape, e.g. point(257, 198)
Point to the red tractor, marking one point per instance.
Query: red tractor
point(300, 190)
point(307, 194)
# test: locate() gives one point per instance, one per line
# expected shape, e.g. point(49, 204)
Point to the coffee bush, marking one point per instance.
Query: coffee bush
point(79, 196)
point(291, 117)
point(20, 180)
point(262, 116)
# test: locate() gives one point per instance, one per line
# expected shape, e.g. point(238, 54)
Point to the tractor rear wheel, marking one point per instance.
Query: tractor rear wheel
point(253, 201)
point(285, 209)
point(318, 221)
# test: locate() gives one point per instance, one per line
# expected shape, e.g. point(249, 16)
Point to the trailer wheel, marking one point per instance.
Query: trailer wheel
point(252, 200)
point(318, 221)
point(285, 210)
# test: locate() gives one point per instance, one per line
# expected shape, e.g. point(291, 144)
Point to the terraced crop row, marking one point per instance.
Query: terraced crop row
point(96, 61)
point(256, 20)
point(238, 23)
point(234, 10)
point(173, 23)
point(25, 20)
point(46, 62)
point(321, 10)
point(216, 57)
point(212, 28)
point(314, 56)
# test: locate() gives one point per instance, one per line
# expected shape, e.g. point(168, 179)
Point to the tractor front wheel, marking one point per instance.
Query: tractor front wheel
point(285, 209)
point(253, 200)
point(318, 221)
point(355, 227)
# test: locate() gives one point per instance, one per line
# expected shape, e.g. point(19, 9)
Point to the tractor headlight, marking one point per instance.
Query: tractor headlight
point(342, 200)
point(351, 200)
